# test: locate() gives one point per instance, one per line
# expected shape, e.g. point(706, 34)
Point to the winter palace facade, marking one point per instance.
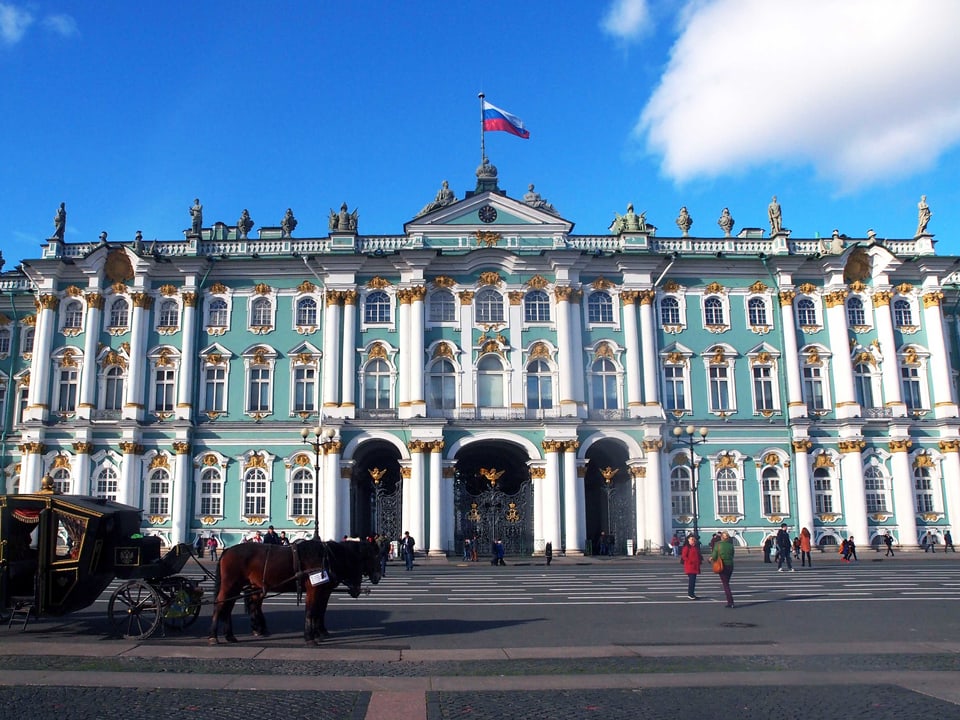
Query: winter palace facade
point(488, 374)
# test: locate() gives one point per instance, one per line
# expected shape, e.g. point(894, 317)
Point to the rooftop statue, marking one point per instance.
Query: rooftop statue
point(923, 216)
point(630, 222)
point(776, 217)
point(288, 224)
point(343, 221)
point(726, 222)
point(196, 215)
point(60, 222)
point(138, 242)
point(533, 199)
point(244, 224)
point(444, 197)
point(684, 221)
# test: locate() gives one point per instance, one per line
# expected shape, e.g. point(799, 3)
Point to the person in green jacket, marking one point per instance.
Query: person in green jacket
point(723, 549)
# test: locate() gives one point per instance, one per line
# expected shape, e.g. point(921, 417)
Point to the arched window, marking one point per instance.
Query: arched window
point(119, 314)
point(772, 495)
point(874, 483)
point(681, 491)
point(713, 311)
point(73, 315)
point(376, 385)
point(255, 493)
point(26, 340)
point(669, 311)
point(856, 315)
point(105, 485)
point(757, 312)
point(113, 388)
point(536, 307)
point(443, 307)
point(307, 312)
point(923, 488)
point(376, 308)
point(158, 492)
point(217, 315)
point(61, 480)
point(902, 313)
point(490, 382)
point(211, 492)
point(261, 312)
point(442, 385)
point(539, 385)
point(603, 385)
point(169, 315)
point(806, 312)
point(301, 492)
point(488, 306)
point(728, 492)
point(863, 384)
point(823, 490)
point(600, 307)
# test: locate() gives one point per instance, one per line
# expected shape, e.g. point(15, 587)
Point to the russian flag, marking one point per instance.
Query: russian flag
point(496, 119)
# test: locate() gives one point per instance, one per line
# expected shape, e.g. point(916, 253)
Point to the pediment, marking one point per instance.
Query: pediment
point(506, 215)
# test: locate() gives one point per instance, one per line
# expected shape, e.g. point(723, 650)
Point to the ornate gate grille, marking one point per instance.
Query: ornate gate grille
point(493, 513)
point(386, 510)
point(621, 514)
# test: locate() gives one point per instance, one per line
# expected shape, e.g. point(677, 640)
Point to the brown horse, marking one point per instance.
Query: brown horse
point(252, 570)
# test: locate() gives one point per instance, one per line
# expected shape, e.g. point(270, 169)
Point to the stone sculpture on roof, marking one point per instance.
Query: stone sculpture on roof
point(533, 199)
point(684, 221)
point(726, 222)
point(923, 216)
point(60, 222)
point(343, 221)
point(244, 224)
point(196, 217)
point(630, 222)
point(444, 197)
point(288, 224)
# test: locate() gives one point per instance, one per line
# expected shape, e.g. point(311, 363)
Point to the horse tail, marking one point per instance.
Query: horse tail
point(216, 579)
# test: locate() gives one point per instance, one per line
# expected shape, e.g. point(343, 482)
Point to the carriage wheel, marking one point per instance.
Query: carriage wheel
point(135, 610)
point(183, 603)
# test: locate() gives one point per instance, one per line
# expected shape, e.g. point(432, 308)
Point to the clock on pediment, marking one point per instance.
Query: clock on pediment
point(487, 214)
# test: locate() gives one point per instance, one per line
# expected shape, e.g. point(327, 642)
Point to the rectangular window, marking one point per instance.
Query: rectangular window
point(302, 490)
point(165, 390)
point(910, 381)
point(259, 400)
point(727, 500)
point(823, 495)
point(305, 389)
point(763, 388)
point(674, 378)
point(719, 387)
point(255, 499)
point(813, 387)
point(681, 501)
point(771, 496)
point(215, 389)
point(159, 502)
point(210, 487)
point(67, 396)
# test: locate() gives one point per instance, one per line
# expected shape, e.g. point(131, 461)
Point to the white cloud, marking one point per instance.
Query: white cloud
point(856, 89)
point(626, 19)
point(13, 23)
point(63, 25)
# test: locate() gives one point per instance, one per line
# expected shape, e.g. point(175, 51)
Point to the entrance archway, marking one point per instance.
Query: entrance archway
point(493, 497)
point(376, 494)
point(609, 494)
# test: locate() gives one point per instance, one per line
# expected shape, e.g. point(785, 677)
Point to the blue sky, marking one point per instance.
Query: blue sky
point(847, 110)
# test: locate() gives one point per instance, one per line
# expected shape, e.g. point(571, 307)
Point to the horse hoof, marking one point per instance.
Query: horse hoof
point(212, 641)
point(231, 638)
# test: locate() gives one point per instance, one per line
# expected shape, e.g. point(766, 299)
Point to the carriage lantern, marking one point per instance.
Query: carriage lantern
point(320, 439)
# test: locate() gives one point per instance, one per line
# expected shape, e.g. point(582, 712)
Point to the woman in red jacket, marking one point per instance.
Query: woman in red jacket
point(691, 558)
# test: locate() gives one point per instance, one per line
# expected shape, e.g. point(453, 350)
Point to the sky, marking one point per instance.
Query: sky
point(847, 110)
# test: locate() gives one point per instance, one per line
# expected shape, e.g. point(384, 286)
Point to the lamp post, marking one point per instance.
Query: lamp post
point(687, 435)
point(321, 438)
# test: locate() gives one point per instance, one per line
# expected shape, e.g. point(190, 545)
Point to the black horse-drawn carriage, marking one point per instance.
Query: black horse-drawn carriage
point(58, 553)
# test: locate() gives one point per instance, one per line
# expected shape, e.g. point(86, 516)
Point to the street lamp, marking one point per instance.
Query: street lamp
point(689, 431)
point(321, 438)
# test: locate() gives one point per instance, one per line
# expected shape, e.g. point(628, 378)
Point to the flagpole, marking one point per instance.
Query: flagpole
point(483, 153)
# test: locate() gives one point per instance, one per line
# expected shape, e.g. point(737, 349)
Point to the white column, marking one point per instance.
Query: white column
point(516, 354)
point(438, 541)
point(801, 471)
point(188, 358)
point(951, 480)
point(38, 405)
point(648, 338)
point(941, 380)
point(576, 339)
point(628, 300)
point(333, 526)
point(31, 467)
point(655, 512)
point(416, 495)
point(331, 350)
point(538, 474)
point(418, 405)
point(796, 407)
point(467, 397)
point(182, 483)
point(889, 367)
point(447, 512)
point(348, 363)
point(567, 398)
point(637, 477)
point(405, 362)
point(904, 502)
point(854, 495)
point(129, 487)
point(88, 380)
point(133, 408)
point(574, 502)
point(551, 495)
point(846, 397)
point(81, 468)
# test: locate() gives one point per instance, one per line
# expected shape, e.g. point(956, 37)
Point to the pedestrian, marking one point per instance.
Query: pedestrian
point(805, 559)
point(212, 547)
point(200, 545)
point(474, 549)
point(384, 550)
point(407, 545)
point(783, 549)
point(948, 542)
point(271, 537)
point(928, 543)
point(602, 544)
point(498, 552)
point(888, 541)
point(723, 550)
point(767, 549)
point(284, 540)
point(548, 551)
point(691, 559)
point(675, 545)
point(845, 551)
point(466, 549)
point(257, 537)
point(796, 548)
point(852, 549)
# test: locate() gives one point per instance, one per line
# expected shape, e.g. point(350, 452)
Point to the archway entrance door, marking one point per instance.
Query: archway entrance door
point(376, 496)
point(609, 494)
point(493, 498)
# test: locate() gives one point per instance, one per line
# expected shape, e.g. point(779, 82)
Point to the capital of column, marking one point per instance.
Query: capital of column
point(932, 299)
point(334, 297)
point(629, 297)
point(835, 298)
point(434, 446)
point(181, 447)
point(141, 300)
point(802, 446)
point(82, 447)
point(652, 445)
point(647, 297)
point(552, 446)
point(571, 445)
point(466, 297)
point(949, 446)
point(94, 300)
point(33, 448)
point(131, 448)
point(851, 446)
point(189, 299)
point(900, 446)
point(47, 302)
point(787, 297)
point(418, 446)
point(881, 298)
point(350, 297)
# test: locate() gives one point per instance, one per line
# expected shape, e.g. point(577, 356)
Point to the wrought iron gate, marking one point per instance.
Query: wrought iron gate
point(490, 512)
point(620, 514)
point(387, 504)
